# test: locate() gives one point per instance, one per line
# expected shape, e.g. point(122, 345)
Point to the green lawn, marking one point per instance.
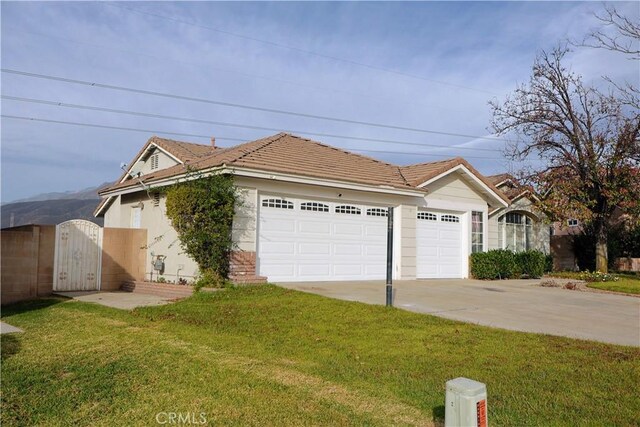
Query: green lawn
point(624, 284)
point(627, 283)
point(270, 356)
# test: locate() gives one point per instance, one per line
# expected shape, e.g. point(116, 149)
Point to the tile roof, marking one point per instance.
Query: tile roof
point(290, 154)
point(501, 177)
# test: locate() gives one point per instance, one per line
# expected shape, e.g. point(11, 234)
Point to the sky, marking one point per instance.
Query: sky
point(428, 66)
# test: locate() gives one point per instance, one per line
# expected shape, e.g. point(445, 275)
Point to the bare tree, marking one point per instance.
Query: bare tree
point(588, 141)
point(624, 37)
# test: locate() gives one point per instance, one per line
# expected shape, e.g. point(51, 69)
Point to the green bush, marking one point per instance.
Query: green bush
point(531, 263)
point(504, 264)
point(548, 263)
point(495, 264)
point(210, 279)
point(483, 267)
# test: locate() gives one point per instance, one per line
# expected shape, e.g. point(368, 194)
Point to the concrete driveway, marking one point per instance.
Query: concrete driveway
point(518, 305)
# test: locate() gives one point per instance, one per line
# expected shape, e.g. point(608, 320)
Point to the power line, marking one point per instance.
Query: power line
point(239, 125)
point(297, 49)
point(243, 106)
point(99, 126)
point(224, 70)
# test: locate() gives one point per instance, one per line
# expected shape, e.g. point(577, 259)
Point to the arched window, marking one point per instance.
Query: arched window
point(515, 232)
point(314, 206)
point(347, 209)
point(277, 203)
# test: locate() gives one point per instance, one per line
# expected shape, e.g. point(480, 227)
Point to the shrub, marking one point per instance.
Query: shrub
point(483, 267)
point(494, 264)
point(548, 263)
point(210, 279)
point(597, 276)
point(531, 263)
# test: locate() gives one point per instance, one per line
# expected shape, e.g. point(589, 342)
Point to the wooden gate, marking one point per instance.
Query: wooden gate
point(78, 256)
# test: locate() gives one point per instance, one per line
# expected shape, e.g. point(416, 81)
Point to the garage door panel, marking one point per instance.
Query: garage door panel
point(347, 229)
point(313, 270)
point(375, 230)
point(314, 248)
point(278, 248)
point(348, 270)
point(446, 252)
point(314, 227)
point(347, 249)
point(285, 225)
point(376, 250)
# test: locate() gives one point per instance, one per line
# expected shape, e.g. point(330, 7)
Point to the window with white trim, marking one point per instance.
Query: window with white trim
point(377, 212)
point(515, 231)
point(573, 222)
point(427, 216)
point(277, 203)
point(477, 232)
point(347, 209)
point(154, 160)
point(449, 218)
point(314, 207)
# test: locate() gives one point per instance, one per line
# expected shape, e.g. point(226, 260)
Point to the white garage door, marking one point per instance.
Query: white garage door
point(306, 240)
point(439, 245)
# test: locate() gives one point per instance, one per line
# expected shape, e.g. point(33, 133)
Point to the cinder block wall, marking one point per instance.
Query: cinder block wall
point(26, 262)
point(124, 255)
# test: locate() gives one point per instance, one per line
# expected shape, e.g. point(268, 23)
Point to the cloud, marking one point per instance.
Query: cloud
point(485, 46)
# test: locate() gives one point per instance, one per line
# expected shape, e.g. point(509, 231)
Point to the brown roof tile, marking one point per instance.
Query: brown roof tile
point(286, 153)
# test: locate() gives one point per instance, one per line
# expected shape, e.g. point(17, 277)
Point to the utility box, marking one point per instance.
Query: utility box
point(466, 403)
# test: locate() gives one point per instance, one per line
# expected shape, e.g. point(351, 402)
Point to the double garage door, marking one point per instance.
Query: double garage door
point(307, 240)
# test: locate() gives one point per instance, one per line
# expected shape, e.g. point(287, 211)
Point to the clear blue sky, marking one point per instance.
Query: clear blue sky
point(450, 60)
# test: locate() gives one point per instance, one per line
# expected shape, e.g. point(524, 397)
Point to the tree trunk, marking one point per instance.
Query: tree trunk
point(602, 258)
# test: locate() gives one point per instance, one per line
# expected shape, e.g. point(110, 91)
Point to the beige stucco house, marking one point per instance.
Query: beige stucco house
point(520, 226)
point(313, 212)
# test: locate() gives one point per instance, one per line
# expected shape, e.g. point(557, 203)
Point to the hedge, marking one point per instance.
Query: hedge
point(504, 264)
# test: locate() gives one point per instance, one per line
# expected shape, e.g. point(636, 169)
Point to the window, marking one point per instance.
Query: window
point(449, 218)
point(515, 232)
point(573, 223)
point(314, 206)
point(349, 210)
point(155, 158)
point(277, 203)
point(377, 212)
point(477, 236)
point(427, 216)
point(156, 199)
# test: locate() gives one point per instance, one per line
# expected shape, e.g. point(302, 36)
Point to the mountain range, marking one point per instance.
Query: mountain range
point(52, 208)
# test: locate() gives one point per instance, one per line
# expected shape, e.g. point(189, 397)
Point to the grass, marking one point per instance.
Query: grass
point(269, 356)
point(626, 283)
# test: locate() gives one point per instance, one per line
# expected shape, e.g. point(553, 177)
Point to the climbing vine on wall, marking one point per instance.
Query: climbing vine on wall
point(201, 209)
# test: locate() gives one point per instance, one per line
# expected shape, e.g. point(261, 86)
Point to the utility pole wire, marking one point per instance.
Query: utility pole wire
point(239, 125)
point(99, 126)
point(242, 106)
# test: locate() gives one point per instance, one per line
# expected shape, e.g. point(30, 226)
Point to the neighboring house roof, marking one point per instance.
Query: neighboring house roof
point(290, 154)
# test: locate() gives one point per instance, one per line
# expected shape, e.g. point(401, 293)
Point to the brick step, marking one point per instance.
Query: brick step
point(248, 279)
point(165, 290)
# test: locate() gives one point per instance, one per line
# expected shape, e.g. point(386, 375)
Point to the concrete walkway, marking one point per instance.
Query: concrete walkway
point(6, 328)
point(518, 305)
point(117, 299)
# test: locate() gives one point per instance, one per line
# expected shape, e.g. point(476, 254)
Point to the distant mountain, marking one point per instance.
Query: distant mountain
point(52, 208)
point(84, 194)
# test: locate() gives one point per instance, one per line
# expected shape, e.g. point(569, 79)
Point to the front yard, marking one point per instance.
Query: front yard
point(271, 356)
point(626, 283)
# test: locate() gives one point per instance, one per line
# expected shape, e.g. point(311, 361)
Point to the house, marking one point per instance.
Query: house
point(520, 226)
point(313, 212)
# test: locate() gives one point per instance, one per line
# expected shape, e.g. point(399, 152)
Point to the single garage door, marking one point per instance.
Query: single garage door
point(308, 240)
point(439, 245)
